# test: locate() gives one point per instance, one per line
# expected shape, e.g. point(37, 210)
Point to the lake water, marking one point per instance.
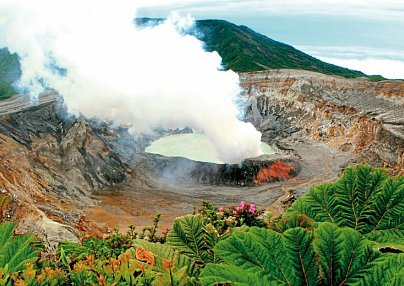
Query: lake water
point(193, 146)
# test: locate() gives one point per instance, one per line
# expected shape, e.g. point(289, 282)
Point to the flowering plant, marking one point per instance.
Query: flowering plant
point(223, 219)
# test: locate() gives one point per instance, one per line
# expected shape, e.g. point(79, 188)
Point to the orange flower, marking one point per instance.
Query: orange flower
point(90, 258)
point(124, 257)
point(79, 266)
point(168, 264)
point(39, 278)
point(48, 271)
point(144, 255)
point(101, 279)
point(19, 282)
point(115, 263)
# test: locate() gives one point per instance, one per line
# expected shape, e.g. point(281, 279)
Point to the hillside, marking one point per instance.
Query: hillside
point(244, 50)
point(9, 72)
point(241, 49)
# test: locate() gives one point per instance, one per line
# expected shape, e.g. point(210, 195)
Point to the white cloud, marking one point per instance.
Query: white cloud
point(151, 77)
point(386, 62)
point(354, 52)
point(388, 9)
point(387, 68)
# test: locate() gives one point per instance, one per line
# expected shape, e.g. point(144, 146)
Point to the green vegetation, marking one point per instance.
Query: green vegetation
point(16, 251)
point(241, 49)
point(326, 256)
point(344, 233)
point(244, 50)
point(363, 199)
point(9, 72)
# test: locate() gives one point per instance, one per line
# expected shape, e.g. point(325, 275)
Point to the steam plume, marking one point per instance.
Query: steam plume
point(105, 67)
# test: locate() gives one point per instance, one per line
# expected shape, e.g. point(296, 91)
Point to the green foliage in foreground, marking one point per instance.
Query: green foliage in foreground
point(326, 256)
point(366, 200)
point(16, 251)
point(345, 233)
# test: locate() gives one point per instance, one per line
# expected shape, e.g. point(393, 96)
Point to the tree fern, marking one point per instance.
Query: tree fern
point(342, 253)
point(329, 256)
point(228, 274)
point(285, 223)
point(264, 257)
point(16, 250)
point(364, 199)
point(386, 271)
point(189, 237)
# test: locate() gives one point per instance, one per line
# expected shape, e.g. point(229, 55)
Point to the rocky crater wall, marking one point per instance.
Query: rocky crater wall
point(50, 162)
point(352, 115)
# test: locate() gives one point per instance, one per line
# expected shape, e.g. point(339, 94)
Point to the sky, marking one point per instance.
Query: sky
point(366, 35)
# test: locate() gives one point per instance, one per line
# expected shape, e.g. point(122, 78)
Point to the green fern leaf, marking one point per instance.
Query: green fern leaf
point(343, 253)
point(285, 223)
point(264, 257)
point(302, 268)
point(188, 237)
point(329, 255)
point(16, 250)
point(222, 274)
point(318, 206)
point(364, 199)
point(387, 270)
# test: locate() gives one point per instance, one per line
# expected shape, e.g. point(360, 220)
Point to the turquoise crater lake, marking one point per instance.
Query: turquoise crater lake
point(192, 146)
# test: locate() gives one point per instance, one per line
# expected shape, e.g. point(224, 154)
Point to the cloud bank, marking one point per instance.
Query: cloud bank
point(147, 78)
point(388, 68)
point(388, 9)
point(373, 61)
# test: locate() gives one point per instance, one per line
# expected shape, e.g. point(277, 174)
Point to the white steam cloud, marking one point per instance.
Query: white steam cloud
point(105, 67)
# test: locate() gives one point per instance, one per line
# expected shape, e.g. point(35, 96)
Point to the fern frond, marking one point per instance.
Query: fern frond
point(329, 255)
point(265, 256)
point(187, 237)
point(342, 253)
point(387, 270)
point(215, 274)
point(317, 205)
point(363, 199)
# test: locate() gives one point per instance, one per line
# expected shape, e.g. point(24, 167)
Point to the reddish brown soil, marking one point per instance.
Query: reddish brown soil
point(137, 205)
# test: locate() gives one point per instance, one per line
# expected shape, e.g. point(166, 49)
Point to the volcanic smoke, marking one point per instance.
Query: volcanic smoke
point(92, 53)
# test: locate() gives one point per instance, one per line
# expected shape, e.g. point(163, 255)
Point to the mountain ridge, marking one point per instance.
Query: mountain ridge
point(244, 50)
point(241, 48)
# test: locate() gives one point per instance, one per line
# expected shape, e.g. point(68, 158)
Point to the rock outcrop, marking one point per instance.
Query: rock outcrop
point(352, 115)
point(51, 161)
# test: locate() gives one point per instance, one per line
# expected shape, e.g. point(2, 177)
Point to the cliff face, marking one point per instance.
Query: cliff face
point(50, 162)
point(351, 115)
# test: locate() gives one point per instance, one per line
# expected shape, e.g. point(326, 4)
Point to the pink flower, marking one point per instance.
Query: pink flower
point(252, 208)
point(242, 204)
point(221, 210)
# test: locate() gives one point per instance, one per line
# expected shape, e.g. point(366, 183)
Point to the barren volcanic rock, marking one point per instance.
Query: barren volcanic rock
point(250, 172)
point(358, 116)
point(73, 175)
point(50, 161)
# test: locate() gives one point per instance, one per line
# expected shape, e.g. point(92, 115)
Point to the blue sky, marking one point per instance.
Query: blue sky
point(362, 34)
